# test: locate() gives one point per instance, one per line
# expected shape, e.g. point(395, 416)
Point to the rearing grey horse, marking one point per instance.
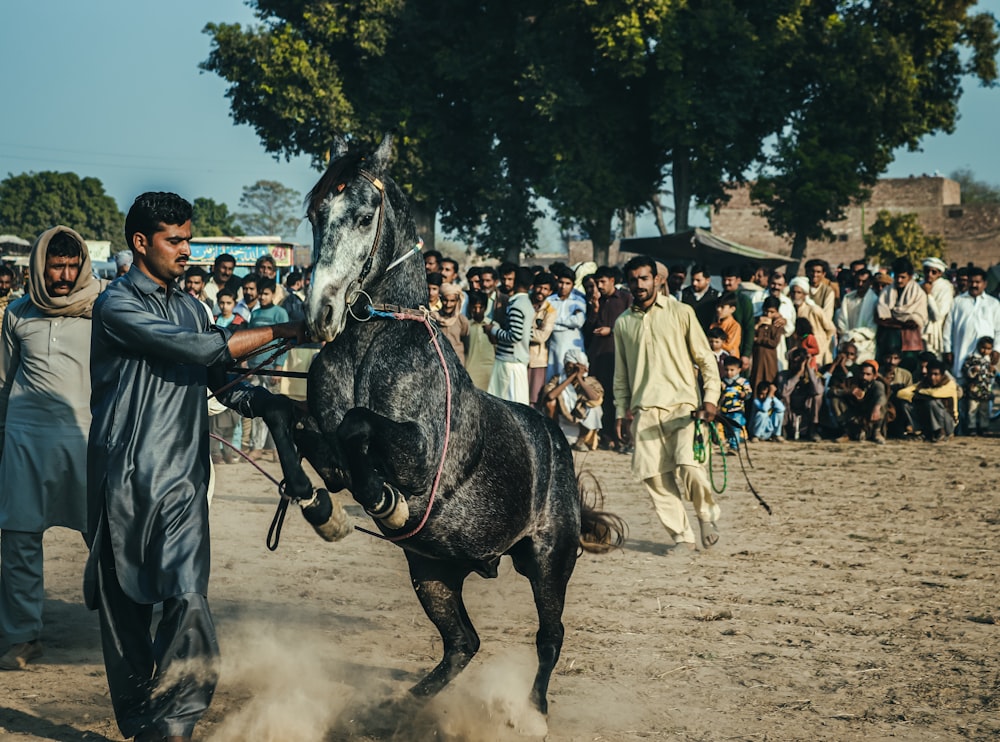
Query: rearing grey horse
point(456, 491)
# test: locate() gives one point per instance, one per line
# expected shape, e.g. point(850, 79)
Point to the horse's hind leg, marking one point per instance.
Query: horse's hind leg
point(439, 587)
point(547, 560)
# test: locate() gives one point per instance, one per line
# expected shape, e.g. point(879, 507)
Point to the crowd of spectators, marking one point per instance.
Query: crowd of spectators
point(861, 354)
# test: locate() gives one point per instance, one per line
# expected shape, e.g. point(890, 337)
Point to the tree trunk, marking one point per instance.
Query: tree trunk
point(798, 252)
point(600, 238)
point(425, 216)
point(681, 176)
point(658, 211)
point(627, 218)
point(512, 255)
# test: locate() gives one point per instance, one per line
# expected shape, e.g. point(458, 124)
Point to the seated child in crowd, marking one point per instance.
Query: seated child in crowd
point(979, 370)
point(736, 392)
point(768, 414)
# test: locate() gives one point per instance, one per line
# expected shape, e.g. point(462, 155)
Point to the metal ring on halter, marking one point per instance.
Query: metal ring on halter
point(352, 300)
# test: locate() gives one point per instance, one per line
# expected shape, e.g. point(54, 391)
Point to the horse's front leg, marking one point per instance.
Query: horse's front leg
point(324, 514)
point(382, 456)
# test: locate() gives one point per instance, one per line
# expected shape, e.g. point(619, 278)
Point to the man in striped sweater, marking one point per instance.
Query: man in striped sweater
point(510, 370)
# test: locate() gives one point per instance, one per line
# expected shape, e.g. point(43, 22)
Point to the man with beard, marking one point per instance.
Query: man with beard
point(454, 325)
point(940, 297)
point(901, 315)
point(805, 308)
point(855, 319)
point(44, 423)
point(7, 294)
point(222, 278)
point(868, 403)
point(542, 287)
point(612, 301)
point(659, 344)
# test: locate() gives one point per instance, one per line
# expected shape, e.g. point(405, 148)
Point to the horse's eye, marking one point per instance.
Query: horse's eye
point(366, 220)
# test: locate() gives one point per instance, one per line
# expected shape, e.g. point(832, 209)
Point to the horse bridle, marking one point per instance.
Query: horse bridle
point(353, 296)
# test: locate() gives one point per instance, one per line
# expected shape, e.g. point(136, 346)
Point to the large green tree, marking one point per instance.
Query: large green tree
point(272, 208)
point(211, 219)
point(872, 77)
point(31, 203)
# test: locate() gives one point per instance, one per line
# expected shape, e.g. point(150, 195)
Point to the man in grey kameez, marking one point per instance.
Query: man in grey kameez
point(44, 421)
point(153, 353)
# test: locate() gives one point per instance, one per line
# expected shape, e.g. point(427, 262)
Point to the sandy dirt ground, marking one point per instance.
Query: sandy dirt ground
point(864, 608)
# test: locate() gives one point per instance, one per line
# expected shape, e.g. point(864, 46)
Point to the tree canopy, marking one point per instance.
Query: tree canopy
point(593, 105)
point(31, 203)
point(894, 236)
point(273, 209)
point(211, 219)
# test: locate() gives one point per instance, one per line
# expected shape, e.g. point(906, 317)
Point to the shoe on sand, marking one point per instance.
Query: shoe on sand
point(19, 655)
point(709, 534)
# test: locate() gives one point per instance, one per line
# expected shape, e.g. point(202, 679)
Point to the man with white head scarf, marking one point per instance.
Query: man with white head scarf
point(940, 297)
point(44, 424)
point(805, 307)
point(574, 400)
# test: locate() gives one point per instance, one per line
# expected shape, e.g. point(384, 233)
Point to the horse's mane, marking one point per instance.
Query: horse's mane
point(335, 175)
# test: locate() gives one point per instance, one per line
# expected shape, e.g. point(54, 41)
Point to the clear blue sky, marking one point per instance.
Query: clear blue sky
point(111, 89)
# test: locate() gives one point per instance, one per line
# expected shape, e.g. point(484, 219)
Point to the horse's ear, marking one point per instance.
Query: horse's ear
point(338, 147)
point(383, 154)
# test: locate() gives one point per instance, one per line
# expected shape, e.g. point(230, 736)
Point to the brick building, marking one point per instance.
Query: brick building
point(971, 232)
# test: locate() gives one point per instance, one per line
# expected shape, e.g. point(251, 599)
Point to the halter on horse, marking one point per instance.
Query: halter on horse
point(394, 418)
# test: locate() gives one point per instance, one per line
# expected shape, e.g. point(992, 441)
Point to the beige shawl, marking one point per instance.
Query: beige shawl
point(907, 305)
point(80, 301)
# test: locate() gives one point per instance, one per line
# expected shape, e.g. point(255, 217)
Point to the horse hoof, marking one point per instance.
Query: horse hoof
point(392, 509)
point(327, 516)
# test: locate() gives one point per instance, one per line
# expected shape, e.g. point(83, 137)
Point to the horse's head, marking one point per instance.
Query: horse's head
point(354, 236)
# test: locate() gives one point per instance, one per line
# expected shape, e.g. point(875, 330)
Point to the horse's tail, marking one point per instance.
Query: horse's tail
point(600, 531)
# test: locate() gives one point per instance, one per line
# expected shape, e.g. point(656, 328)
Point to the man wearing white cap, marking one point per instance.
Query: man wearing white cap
point(940, 297)
point(805, 307)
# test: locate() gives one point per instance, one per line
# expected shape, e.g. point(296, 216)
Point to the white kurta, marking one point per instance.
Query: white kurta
point(571, 313)
point(44, 418)
point(939, 302)
point(855, 321)
point(969, 319)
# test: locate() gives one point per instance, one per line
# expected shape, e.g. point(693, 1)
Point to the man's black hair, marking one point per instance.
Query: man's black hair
point(476, 297)
point(452, 261)
point(522, 278)
point(263, 284)
point(604, 272)
point(728, 299)
point(506, 268)
point(640, 261)
point(225, 292)
point(473, 271)
point(747, 271)
point(251, 278)
point(224, 258)
point(975, 270)
point(293, 277)
point(902, 265)
point(936, 365)
point(489, 270)
point(63, 245)
point(731, 271)
point(434, 279)
point(810, 264)
point(561, 270)
point(196, 271)
point(702, 269)
point(432, 254)
point(545, 278)
point(153, 209)
point(6, 271)
point(771, 302)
